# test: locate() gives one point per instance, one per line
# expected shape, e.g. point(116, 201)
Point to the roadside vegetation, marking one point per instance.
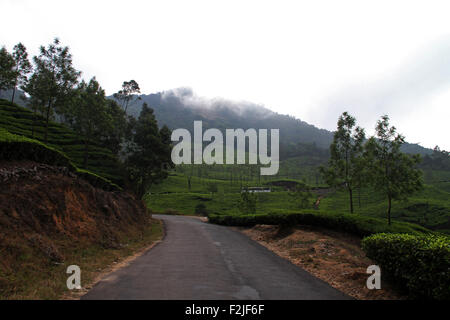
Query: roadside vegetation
point(67, 129)
point(37, 277)
point(420, 264)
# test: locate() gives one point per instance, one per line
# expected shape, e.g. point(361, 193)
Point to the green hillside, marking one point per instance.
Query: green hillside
point(18, 147)
point(429, 208)
point(19, 121)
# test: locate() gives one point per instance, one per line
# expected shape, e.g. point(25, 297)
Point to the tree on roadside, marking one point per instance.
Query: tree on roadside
point(361, 178)
point(392, 172)
point(149, 156)
point(346, 151)
point(22, 68)
point(127, 94)
point(53, 81)
point(117, 127)
point(7, 70)
point(87, 114)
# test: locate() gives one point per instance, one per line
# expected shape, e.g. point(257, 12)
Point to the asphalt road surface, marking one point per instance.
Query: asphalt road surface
point(202, 261)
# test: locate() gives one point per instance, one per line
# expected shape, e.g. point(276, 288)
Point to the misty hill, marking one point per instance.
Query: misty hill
point(180, 107)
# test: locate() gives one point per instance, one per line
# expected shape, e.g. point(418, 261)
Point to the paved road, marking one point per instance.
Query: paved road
point(197, 260)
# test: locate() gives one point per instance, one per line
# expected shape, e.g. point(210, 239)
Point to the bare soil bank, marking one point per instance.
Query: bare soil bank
point(331, 256)
point(50, 219)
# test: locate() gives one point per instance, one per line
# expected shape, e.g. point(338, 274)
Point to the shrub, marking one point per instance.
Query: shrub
point(201, 209)
point(361, 226)
point(171, 211)
point(247, 202)
point(302, 196)
point(421, 264)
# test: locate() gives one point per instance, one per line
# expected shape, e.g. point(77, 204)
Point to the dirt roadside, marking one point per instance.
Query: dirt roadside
point(333, 257)
point(107, 270)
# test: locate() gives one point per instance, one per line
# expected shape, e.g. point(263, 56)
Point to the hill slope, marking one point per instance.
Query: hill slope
point(179, 108)
point(50, 219)
point(19, 120)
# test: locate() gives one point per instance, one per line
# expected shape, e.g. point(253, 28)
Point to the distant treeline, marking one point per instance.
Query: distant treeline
point(438, 160)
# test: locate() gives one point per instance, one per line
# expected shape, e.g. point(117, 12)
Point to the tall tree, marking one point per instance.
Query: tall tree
point(53, 80)
point(116, 129)
point(7, 69)
point(128, 93)
point(149, 153)
point(88, 115)
point(22, 67)
point(393, 173)
point(346, 151)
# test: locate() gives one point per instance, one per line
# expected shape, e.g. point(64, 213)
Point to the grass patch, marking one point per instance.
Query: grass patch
point(37, 278)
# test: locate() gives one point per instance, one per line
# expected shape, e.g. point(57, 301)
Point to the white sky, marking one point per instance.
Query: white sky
point(309, 59)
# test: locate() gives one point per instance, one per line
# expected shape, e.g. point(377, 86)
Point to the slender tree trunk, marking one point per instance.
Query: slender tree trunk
point(350, 192)
point(13, 94)
point(389, 210)
point(46, 121)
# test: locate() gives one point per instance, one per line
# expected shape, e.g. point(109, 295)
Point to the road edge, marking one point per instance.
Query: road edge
point(76, 295)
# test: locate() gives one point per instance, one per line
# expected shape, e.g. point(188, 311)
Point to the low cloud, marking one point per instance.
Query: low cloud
point(408, 89)
point(191, 100)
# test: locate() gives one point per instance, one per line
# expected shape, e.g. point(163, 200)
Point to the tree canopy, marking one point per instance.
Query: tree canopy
point(344, 166)
point(53, 80)
point(392, 172)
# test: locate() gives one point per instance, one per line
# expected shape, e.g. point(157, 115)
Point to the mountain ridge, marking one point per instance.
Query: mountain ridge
point(179, 108)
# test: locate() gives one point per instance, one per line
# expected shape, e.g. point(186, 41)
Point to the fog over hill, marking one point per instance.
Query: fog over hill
point(179, 108)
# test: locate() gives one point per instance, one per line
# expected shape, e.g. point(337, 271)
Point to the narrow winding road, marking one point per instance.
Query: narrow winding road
point(197, 260)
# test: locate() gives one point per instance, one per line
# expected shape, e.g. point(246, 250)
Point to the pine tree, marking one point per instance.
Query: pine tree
point(150, 152)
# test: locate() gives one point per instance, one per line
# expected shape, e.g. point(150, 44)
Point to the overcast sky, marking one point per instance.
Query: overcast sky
point(309, 59)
